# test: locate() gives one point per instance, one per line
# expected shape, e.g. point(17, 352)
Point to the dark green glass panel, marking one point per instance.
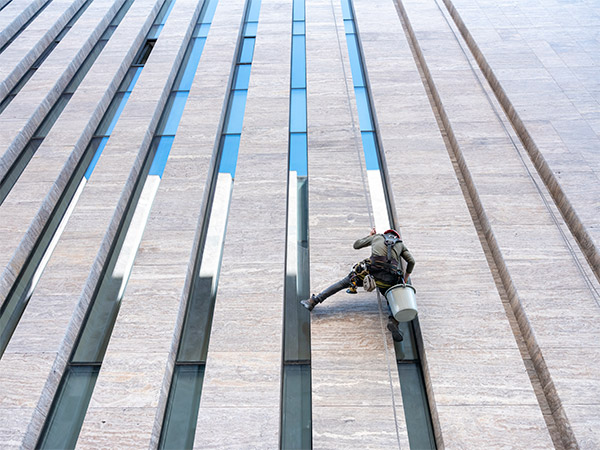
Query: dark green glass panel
point(69, 408)
point(416, 409)
point(297, 318)
point(99, 323)
point(18, 167)
point(407, 349)
point(181, 413)
point(196, 328)
point(18, 297)
point(296, 432)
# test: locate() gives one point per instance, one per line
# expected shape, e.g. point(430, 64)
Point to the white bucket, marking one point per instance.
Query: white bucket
point(402, 302)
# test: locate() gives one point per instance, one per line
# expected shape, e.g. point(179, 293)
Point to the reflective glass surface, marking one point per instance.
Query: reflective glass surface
point(298, 111)
point(185, 76)
point(298, 62)
point(237, 106)
point(231, 145)
point(355, 64)
point(370, 150)
point(362, 105)
point(242, 76)
point(416, 409)
point(298, 156)
point(179, 426)
point(69, 407)
point(247, 50)
point(296, 430)
point(298, 28)
point(169, 120)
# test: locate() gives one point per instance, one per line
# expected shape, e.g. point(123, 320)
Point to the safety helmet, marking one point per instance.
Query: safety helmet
point(393, 232)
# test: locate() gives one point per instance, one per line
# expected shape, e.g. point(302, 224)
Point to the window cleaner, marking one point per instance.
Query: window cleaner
point(382, 270)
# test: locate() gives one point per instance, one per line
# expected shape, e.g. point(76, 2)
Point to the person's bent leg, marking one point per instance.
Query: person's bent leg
point(314, 300)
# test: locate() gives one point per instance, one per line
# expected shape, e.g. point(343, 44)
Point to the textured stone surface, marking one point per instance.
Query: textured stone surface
point(543, 321)
point(472, 361)
point(348, 338)
point(241, 390)
point(23, 115)
point(15, 15)
point(160, 277)
point(22, 53)
point(38, 189)
point(89, 233)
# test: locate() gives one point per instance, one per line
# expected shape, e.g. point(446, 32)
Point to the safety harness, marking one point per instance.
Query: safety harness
point(384, 269)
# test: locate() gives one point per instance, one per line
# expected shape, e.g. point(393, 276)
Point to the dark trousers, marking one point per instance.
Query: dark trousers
point(345, 283)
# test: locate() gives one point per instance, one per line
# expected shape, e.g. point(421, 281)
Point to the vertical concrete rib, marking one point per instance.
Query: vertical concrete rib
point(21, 118)
point(471, 408)
point(538, 268)
point(134, 381)
point(246, 336)
point(15, 15)
point(22, 53)
point(40, 347)
point(353, 391)
point(545, 78)
point(38, 189)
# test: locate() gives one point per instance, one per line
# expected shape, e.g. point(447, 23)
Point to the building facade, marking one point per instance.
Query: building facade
point(175, 175)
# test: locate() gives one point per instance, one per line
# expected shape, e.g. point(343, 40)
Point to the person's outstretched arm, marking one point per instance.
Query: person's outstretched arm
point(366, 241)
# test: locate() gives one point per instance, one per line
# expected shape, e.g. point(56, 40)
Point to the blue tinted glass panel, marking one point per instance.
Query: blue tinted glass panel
point(370, 149)
point(346, 10)
point(298, 13)
point(154, 31)
point(250, 29)
point(94, 161)
point(349, 26)
point(298, 154)
point(110, 115)
point(210, 11)
point(298, 111)
point(231, 145)
point(253, 11)
point(172, 114)
point(247, 50)
point(185, 77)
point(298, 62)
point(202, 30)
point(298, 28)
point(242, 76)
point(130, 79)
point(357, 76)
point(364, 114)
point(163, 16)
point(235, 117)
point(162, 154)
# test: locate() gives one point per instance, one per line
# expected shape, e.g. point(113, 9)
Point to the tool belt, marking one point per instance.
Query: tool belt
point(386, 274)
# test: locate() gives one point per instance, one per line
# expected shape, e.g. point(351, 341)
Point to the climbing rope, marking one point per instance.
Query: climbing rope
point(359, 151)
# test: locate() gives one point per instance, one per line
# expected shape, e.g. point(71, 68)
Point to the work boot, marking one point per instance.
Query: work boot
point(393, 327)
point(310, 303)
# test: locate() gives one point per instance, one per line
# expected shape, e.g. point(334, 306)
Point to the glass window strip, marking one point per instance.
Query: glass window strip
point(414, 396)
point(95, 332)
point(23, 287)
point(179, 423)
point(296, 414)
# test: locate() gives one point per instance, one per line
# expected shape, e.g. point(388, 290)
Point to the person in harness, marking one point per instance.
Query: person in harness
point(382, 270)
